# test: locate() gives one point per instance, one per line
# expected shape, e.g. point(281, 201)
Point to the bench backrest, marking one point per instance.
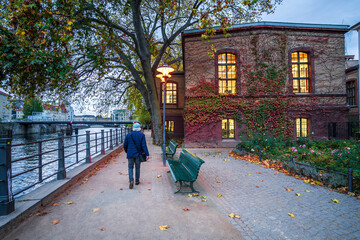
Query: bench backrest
point(191, 162)
point(173, 145)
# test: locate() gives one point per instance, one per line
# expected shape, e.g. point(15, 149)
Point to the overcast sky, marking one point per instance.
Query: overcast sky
point(342, 12)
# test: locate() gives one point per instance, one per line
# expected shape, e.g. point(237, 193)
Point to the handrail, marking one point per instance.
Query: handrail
point(104, 139)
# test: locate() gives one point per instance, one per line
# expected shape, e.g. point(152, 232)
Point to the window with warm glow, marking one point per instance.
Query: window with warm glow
point(350, 93)
point(227, 73)
point(300, 66)
point(169, 126)
point(302, 127)
point(228, 128)
point(171, 93)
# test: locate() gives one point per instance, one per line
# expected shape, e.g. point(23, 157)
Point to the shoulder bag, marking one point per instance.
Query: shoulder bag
point(142, 156)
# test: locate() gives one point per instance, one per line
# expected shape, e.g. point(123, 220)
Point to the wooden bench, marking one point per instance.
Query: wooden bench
point(171, 149)
point(186, 169)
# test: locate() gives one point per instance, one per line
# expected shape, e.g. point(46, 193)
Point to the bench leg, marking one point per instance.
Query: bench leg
point(179, 187)
point(192, 188)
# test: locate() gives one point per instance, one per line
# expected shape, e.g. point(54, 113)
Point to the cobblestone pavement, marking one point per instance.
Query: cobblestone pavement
point(128, 214)
point(259, 196)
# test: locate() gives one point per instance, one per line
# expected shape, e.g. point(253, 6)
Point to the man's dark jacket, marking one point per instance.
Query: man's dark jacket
point(140, 141)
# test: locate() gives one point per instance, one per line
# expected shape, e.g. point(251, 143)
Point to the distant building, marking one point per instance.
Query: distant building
point(120, 115)
point(5, 112)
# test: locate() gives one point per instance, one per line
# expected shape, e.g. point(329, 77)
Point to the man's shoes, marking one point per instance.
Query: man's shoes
point(137, 183)
point(131, 185)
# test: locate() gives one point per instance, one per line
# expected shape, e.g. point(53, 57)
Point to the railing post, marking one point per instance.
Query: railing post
point(102, 142)
point(40, 161)
point(107, 139)
point(350, 179)
point(7, 203)
point(61, 161)
point(88, 156)
point(77, 144)
point(116, 136)
point(260, 155)
point(96, 142)
point(111, 140)
point(121, 135)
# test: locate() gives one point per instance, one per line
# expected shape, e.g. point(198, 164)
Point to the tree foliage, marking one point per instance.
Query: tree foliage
point(32, 105)
point(104, 47)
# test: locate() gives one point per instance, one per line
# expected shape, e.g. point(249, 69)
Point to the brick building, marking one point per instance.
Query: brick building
point(314, 79)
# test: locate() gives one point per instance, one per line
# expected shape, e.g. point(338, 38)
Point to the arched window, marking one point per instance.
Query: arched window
point(300, 66)
point(227, 73)
point(171, 93)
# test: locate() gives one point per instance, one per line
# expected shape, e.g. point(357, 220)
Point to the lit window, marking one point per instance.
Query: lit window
point(228, 128)
point(169, 126)
point(350, 93)
point(302, 127)
point(170, 93)
point(227, 73)
point(300, 66)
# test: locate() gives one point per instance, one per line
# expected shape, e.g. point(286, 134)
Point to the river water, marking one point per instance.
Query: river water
point(25, 180)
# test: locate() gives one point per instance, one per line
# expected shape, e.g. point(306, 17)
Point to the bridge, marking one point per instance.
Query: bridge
point(99, 122)
point(25, 127)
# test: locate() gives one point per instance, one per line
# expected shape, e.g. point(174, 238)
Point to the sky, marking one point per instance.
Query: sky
point(341, 12)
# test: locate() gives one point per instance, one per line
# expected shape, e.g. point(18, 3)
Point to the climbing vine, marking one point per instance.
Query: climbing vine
point(264, 101)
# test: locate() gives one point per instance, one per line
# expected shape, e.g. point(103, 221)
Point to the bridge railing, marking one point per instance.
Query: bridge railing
point(42, 161)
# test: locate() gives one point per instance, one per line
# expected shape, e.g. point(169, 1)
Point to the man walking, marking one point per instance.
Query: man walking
point(134, 145)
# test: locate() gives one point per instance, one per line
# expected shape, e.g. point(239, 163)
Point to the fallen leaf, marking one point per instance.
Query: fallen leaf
point(96, 210)
point(335, 200)
point(121, 188)
point(195, 194)
point(158, 176)
point(120, 173)
point(291, 215)
point(289, 189)
point(55, 222)
point(258, 172)
point(232, 215)
point(307, 191)
point(186, 209)
point(102, 229)
point(249, 174)
point(261, 180)
point(218, 181)
point(257, 186)
point(306, 181)
point(298, 194)
point(68, 203)
point(237, 216)
point(55, 204)
point(149, 189)
point(189, 195)
point(41, 213)
point(164, 227)
point(219, 195)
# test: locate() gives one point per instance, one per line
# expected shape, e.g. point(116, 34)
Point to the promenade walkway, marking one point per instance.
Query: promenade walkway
point(255, 193)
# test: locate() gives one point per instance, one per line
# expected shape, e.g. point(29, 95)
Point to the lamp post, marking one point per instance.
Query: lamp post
point(165, 74)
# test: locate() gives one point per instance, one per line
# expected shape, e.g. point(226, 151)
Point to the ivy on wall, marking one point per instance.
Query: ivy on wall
point(264, 101)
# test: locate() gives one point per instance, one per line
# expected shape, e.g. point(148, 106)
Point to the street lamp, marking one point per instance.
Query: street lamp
point(165, 74)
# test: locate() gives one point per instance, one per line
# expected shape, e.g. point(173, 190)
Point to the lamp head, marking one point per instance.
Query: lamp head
point(165, 70)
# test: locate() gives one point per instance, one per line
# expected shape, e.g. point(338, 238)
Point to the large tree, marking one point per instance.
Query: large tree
point(104, 47)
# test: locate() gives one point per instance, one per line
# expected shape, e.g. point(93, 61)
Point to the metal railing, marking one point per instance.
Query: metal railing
point(71, 151)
